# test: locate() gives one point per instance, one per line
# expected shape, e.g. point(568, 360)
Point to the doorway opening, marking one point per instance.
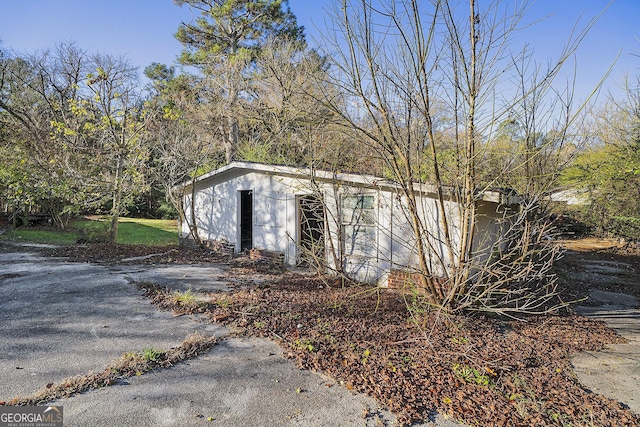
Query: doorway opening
point(246, 219)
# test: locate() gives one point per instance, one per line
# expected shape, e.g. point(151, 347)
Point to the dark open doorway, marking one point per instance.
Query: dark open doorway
point(246, 219)
point(311, 232)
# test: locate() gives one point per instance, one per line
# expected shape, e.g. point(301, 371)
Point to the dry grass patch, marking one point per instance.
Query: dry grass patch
point(128, 365)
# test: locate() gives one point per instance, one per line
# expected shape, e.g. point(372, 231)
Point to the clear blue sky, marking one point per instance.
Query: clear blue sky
point(143, 30)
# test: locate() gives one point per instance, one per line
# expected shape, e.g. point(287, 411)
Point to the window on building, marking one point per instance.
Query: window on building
point(359, 224)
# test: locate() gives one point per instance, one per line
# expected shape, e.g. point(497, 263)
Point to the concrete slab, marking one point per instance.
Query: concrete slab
point(615, 371)
point(603, 271)
point(615, 301)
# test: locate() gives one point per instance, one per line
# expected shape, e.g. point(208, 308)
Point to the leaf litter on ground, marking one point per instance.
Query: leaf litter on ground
point(476, 369)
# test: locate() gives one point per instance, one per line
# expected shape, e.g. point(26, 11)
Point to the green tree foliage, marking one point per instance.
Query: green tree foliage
point(233, 28)
point(113, 119)
point(77, 140)
point(607, 174)
point(224, 44)
point(36, 94)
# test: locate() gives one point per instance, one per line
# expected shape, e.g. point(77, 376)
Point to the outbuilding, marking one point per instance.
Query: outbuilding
point(353, 223)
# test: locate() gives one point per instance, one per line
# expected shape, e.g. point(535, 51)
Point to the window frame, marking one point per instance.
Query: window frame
point(359, 224)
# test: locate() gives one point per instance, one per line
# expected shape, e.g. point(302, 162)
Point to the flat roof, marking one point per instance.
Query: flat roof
point(500, 196)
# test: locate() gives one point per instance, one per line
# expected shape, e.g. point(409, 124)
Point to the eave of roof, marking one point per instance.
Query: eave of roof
point(360, 180)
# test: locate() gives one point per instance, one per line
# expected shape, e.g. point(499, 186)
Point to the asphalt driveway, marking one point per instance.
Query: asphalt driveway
point(59, 319)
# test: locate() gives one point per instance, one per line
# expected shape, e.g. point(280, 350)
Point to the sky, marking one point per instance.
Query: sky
point(143, 31)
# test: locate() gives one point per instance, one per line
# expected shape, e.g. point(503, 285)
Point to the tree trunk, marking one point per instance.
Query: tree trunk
point(231, 144)
point(193, 227)
point(117, 201)
point(469, 188)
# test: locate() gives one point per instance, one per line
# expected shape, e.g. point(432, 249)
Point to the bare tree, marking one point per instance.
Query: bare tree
point(421, 79)
point(224, 42)
point(116, 135)
point(285, 120)
point(178, 130)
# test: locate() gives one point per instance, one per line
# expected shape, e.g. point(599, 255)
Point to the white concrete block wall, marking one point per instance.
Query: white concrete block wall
point(275, 221)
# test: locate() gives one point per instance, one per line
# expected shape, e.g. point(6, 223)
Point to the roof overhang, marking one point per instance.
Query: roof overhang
point(499, 196)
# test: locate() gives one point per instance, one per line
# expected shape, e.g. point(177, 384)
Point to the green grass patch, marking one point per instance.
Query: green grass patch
point(188, 300)
point(131, 231)
point(58, 237)
point(138, 231)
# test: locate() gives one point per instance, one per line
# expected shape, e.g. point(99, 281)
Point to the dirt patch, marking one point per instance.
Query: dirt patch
point(602, 264)
point(108, 253)
point(591, 244)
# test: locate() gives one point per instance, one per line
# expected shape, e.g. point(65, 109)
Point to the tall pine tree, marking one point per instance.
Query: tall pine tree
point(224, 43)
